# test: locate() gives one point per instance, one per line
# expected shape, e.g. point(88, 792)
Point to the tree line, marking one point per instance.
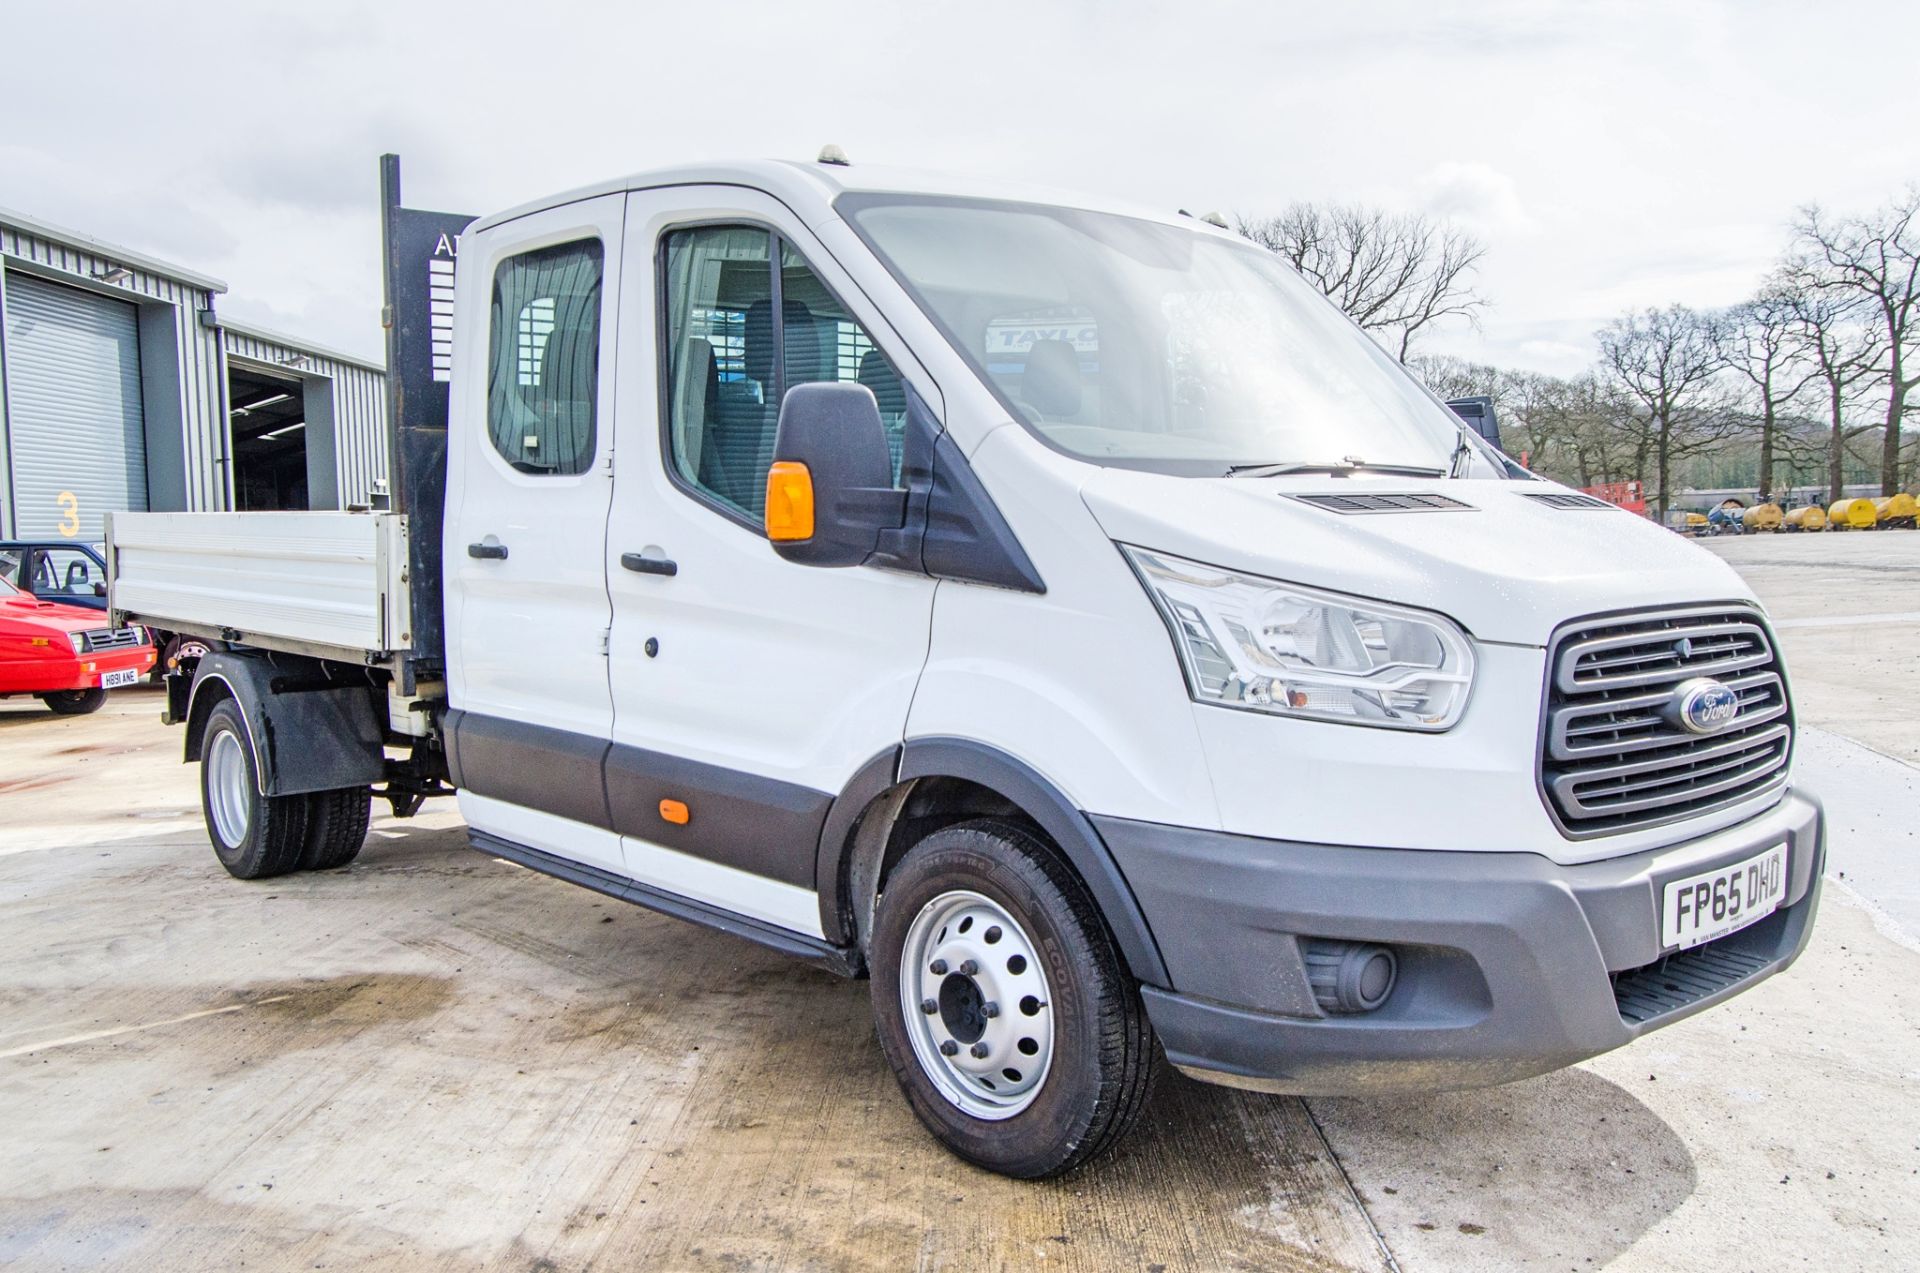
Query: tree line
point(1812, 372)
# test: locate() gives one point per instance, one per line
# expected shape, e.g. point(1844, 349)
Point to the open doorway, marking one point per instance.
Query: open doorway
point(267, 416)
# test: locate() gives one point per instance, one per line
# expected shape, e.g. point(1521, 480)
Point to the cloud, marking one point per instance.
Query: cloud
point(1476, 195)
point(1627, 154)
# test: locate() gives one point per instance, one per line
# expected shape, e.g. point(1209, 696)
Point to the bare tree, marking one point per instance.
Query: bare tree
point(1395, 275)
point(1763, 343)
point(1844, 343)
point(1545, 423)
point(1876, 258)
point(1575, 430)
point(1666, 361)
point(1452, 377)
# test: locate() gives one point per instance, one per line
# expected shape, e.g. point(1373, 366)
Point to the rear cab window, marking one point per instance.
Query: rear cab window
point(543, 358)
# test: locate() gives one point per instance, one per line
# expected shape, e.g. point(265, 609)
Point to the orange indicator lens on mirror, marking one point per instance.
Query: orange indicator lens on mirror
point(789, 502)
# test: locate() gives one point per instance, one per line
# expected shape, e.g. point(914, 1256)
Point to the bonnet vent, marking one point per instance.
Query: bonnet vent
point(1566, 499)
point(1411, 502)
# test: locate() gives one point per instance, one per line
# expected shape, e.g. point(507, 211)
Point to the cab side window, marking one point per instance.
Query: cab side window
point(543, 358)
point(739, 334)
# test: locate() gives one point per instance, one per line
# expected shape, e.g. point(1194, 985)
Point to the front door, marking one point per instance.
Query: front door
point(530, 482)
point(747, 690)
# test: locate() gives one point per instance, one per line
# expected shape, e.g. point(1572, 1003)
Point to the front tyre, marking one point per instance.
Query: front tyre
point(74, 702)
point(1002, 1005)
point(255, 836)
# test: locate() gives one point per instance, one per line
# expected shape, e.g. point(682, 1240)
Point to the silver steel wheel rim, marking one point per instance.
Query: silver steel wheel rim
point(228, 792)
point(964, 951)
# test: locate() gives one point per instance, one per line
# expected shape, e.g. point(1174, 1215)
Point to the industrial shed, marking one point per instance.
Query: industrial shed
point(121, 388)
point(308, 426)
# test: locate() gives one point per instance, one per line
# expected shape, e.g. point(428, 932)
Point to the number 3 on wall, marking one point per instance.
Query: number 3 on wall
point(69, 514)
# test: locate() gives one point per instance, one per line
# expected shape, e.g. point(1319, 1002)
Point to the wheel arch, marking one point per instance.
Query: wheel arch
point(303, 737)
point(910, 791)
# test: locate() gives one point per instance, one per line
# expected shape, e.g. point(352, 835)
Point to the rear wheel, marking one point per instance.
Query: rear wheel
point(177, 650)
point(1003, 1006)
point(336, 827)
point(75, 702)
point(255, 836)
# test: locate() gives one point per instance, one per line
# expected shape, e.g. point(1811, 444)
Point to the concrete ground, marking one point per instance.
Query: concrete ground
point(438, 1060)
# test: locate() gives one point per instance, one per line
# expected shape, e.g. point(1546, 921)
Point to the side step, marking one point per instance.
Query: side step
point(842, 961)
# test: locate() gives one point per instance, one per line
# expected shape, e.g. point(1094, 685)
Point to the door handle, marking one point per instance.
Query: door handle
point(488, 552)
point(642, 564)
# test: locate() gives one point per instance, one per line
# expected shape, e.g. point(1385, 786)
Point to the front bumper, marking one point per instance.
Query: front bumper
point(1510, 964)
point(67, 671)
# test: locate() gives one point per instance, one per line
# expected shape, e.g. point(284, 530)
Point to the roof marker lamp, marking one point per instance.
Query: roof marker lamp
point(1261, 645)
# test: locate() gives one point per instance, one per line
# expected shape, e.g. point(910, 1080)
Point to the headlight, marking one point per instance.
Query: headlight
point(1261, 645)
point(79, 642)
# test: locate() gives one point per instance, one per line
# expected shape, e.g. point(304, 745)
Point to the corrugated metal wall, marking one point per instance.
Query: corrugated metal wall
point(201, 381)
point(194, 390)
point(359, 404)
point(78, 436)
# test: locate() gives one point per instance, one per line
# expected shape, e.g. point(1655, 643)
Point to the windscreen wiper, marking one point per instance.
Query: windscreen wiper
point(1462, 456)
point(1340, 468)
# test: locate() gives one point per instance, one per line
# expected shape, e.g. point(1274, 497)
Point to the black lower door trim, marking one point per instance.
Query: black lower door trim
point(742, 820)
point(832, 958)
point(538, 767)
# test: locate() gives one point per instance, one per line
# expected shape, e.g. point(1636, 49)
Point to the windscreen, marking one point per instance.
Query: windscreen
point(1133, 343)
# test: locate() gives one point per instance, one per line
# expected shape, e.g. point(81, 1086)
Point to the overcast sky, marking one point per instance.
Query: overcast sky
point(1612, 155)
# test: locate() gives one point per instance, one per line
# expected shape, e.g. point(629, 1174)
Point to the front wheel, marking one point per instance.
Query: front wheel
point(255, 836)
point(1003, 1006)
point(74, 702)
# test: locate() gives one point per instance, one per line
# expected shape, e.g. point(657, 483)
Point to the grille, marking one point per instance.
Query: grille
point(1411, 502)
point(1614, 756)
point(1680, 979)
point(1566, 499)
point(110, 638)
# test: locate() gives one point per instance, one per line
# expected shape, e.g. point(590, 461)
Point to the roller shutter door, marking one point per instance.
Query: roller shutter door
point(73, 408)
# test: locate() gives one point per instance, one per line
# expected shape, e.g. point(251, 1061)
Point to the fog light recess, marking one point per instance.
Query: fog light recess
point(1348, 976)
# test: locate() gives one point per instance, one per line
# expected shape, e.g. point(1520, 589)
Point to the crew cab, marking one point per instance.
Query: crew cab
point(64, 655)
point(1055, 611)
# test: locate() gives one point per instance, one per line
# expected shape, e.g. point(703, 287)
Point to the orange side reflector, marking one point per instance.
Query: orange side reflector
point(789, 502)
point(675, 812)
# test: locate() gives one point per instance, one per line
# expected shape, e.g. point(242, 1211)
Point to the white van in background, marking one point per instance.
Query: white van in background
point(1057, 612)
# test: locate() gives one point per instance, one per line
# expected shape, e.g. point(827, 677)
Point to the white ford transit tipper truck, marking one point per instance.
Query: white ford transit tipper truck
point(1058, 613)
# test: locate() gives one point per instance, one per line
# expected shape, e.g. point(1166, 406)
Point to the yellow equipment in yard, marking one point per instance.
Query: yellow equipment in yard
point(1761, 517)
point(1852, 514)
point(1898, 509)
point(1812, 517)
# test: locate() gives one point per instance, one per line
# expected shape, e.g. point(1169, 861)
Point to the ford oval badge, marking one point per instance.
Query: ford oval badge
point(1703, 706)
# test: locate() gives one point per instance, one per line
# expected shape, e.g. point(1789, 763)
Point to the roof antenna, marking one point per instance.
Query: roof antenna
point(834, 156)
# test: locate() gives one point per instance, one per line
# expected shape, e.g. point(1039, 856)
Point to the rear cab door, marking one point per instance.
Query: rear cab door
point(530, 483)
point(747, 690)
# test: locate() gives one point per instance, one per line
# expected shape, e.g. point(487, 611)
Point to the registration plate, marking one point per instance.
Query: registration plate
point(1723, 900)
point(114, 680)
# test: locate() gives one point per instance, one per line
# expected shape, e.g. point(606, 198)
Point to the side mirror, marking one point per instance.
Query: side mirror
point(830, 491)
point(99, 589)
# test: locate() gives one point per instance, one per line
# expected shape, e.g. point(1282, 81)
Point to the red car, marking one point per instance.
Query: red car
point(63, 655)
